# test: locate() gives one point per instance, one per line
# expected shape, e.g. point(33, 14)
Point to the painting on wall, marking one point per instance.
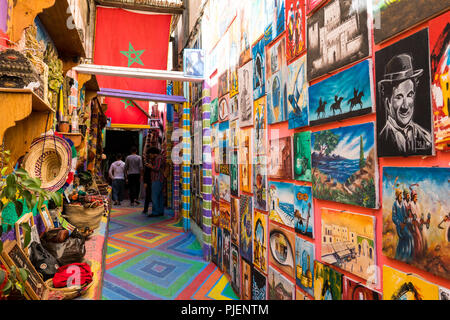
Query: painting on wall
point(235, 272)
point(276, 85)
point(226, 251)
point(300, 295)
point(234, 220)
point(444, 294)
point(280, 158)
point(225, 215)
point(260, 182)
point(219, 261)
point(404, 114)
point(280, 288)
point(281, 248)
point(260, 223)
point(224, 107)
point(224, 187)
point(214, 110)
point(259, 285)
point(348, 242)
point(257, 14)
point(356, 291)
point(244, 13)
point(245, 159)
point(245, 74)
point(234, 57)
point(234, 106)
point(338, 35)
point(416, 224)
point(297, 94)
point(295, 28)
point(386, 14)
point(302, 156)
point(194, 63)
point(214, 245)
point(344, 165)
point(215, 213)
point(260, 129)
point(345, 95)
point(402, 286)
point(216, 185)
point(304, 263)
point(327, 282)
point(312, 5)
point(281, 203)
point(234, 172)
point(216, 152)
point(246, 280)
point(275, 19)
point(223, 85)
point(259, 69)
point(246, 227)
point(440, 78)
point(234, 134)
point(303, 211)
point(224, 141)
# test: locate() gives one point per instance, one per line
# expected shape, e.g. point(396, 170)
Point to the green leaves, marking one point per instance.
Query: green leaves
point(19, 208)
point(26, 234)
point(23, 274)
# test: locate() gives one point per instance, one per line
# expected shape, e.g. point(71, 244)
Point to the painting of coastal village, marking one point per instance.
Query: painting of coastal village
point(344, 165)
point(280, 288)
point(416, 217)
point(348, 241)
point(281, 203)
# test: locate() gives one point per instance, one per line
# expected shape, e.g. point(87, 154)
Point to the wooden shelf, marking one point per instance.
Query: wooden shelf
point(37, 103)
point(76, 138)
point(67, 41)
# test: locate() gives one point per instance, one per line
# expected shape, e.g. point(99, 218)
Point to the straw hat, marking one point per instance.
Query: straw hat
point(50, 160)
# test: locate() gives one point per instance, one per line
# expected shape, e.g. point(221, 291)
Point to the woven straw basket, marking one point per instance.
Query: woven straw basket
point(69, 292)
point(82, 217)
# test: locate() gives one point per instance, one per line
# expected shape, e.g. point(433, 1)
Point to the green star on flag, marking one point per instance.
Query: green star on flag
point(127, 103)
point(133, 55)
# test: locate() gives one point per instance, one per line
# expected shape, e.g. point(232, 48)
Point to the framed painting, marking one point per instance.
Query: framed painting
point(302, 156)
point(226, 251)
point(356, 291)
point(215, 213)
point(260, 130)
point(235, 266)
point(235, 222)
point(225, 215)
point(260, 182)
point(214, 110)
point(280, 287)
point(224, 107)
point(260, 223)
point(297, 94)
point(245, 74)
point(46, 218)
point(295, 29)
point(281, 203)
point(223, 84)
point(234, 106)
point(224, 187)
point(245, 159)
point(194, 63)
point(234, 172)
point(304, 264)
point(280, 158)
point(259, 285)
point(244, 13)
point(246, 280)
point(259, 69)
point(303, 211)
point(275, 19)
point(281, 248)
point(327, 282)
point(246, 227)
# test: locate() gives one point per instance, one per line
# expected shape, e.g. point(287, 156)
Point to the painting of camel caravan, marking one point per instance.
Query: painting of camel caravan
point(348, 242)
point(344, 95)
point(344, 165)
point(416, 217)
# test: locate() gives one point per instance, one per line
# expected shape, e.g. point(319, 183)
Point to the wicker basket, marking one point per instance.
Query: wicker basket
point(69, 292)
point(82, 217)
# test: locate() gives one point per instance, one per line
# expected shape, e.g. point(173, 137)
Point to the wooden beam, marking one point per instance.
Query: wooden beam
point(141, 7)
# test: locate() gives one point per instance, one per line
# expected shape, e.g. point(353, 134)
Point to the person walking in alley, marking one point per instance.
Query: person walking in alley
point(151, 154)
point(134, 172)
point(117, 175)
point(157, 176)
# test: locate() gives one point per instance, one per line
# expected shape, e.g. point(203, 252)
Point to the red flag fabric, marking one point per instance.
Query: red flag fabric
point(128, 39)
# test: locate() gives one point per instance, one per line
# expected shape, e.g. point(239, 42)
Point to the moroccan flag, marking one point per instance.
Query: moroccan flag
point(136, 40)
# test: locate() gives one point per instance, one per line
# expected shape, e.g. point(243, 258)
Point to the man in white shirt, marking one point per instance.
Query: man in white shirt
point(117, 175)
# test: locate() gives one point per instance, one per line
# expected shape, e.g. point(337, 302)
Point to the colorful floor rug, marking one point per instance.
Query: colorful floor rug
point(153, 259)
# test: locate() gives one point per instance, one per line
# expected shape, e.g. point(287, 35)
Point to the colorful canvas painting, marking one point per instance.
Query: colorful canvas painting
point(226, 251)
point(235, 220)
point(259, 285)
point(216, 186)
point(440, 79)
point(225, 215)
point(402, 286)
point(276, 84)
point(275, 19)
point(216, 155)
point(404, 114)
point(215, 213)
point(348, 242)
point(300, 295)
point(246, 227)
point(234, 134)
point(444, 294)
point(234, 106)
point(356, 291)
point(280, 288)
point(260, 223)
point(194, 63)
point(245, 159)
point(344, 165)
point(295, 28)
point(219, 261)
point(416, 224)
point(245, 74)
point(235, 272)
point(260, 129)
point(214, 110)
point(224, 187)
point(224, 142)
point(223, 85)
point(338, 35)
point(257, 22)
point(214, 251)
point(312, 5)
point(327, 282)
point(260, 182)
point(281, 248)
point(281, 203)
point(280, 158)
point(244, 13)
point(259, 69)
point(302, 156)
point(246, 280)
point(234, 173)
point(345, 95)
point(386, 13)
point(234, 57)
point(297, 94)
point(304, 264)
point(303, 210)
point(224, 107)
